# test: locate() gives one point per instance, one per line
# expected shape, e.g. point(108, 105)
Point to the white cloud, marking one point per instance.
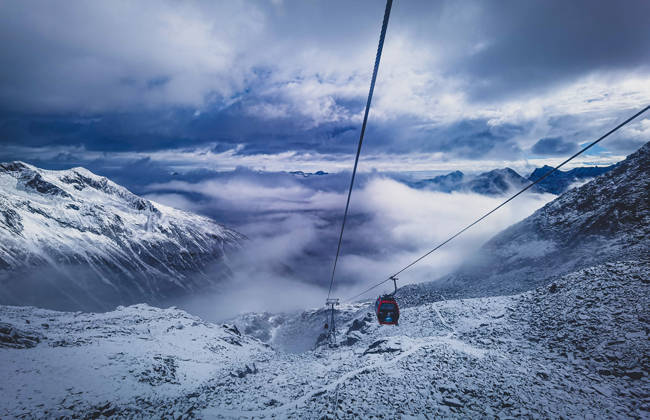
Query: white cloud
point(207, 158)
point(296, 226)
point(407, 222)
point(96, 56)
point(249, 195)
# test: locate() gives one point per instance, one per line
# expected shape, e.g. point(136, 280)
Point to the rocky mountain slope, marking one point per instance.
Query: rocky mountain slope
point(560, 181)
point(607, 219)
point(577, 348)
point(74, 240)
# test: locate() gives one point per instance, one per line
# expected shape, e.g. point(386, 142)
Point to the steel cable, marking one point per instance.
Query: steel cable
point(382, 36)
point(527, 187)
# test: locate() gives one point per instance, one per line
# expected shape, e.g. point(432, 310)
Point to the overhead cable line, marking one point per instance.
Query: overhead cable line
point(527, 187)
point(382, 36)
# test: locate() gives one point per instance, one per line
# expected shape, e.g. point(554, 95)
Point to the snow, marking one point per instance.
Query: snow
point(88, 359)
point(572, 342)
point(607, 219)
point(578, 348)
point(57, 224)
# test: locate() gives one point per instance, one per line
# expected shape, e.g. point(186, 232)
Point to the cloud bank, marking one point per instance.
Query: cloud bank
point(276, 77)
point(293, 228)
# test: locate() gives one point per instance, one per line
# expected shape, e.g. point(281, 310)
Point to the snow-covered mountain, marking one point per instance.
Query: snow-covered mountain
point(607, 219)
point(577, 348)
point(74, 240)
point(574, 344)
point(560, 181)
point(502, 181)
point(495, 182)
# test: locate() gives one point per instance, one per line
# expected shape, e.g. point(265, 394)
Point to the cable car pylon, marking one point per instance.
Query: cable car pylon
point(331, 330)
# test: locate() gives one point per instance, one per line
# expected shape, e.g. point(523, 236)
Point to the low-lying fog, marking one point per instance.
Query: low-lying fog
point(293, 222)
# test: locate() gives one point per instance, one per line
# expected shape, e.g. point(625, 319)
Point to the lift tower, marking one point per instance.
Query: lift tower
point(331, 332)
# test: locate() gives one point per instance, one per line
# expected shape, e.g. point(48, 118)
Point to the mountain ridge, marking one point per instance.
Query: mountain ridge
point(77, 235)
point(504, 180)
point(560, 181)
point(606, 219)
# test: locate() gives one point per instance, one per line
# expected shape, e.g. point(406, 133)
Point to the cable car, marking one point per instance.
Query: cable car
point(387, 309)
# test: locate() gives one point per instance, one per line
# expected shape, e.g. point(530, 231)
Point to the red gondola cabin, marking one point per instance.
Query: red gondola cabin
point(387, 310)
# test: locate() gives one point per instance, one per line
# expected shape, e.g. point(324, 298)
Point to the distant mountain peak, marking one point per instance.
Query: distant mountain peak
point(504, 180)
point(560, 181)
point(494, 182)
point(308, 174)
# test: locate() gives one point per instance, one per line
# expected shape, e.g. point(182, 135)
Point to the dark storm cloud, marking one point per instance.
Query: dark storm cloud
point(532, 45)
point(470, 138)
point(269, 77)
point(554, 146)
point(109, 132)
point(477, 138)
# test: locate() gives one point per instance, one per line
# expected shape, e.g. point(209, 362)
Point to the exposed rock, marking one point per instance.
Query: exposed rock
point(37, 183)
point(242, 373)
point(383, 346)
point(452, 402)
point(12, 337)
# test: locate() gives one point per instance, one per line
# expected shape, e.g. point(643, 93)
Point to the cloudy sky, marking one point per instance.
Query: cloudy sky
point(281, 84)
point(187, 102)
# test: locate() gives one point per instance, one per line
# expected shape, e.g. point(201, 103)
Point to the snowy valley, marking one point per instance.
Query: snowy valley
point(319, 210)
point(522, 338)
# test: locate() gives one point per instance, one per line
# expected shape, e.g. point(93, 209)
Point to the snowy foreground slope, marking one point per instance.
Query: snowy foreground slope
point(578, 348)
point(74, 240)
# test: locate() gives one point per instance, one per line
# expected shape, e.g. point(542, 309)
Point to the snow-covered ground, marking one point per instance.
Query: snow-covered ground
point(85, 363)
point(576, 348)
